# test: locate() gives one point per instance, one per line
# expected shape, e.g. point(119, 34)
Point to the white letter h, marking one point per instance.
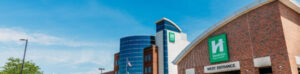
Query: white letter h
point(215, 46)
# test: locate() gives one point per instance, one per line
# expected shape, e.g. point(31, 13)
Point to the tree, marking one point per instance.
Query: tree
point(13, 66)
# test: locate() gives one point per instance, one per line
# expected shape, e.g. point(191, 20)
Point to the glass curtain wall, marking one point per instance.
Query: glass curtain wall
point(132, 50)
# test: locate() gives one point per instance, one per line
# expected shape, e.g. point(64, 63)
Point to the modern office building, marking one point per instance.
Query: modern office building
point(132, 51)
point(152, 54)
point(170, 40)
point(262, 38)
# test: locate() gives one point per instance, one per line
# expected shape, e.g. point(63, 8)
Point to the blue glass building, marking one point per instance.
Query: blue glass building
point(132, 48)
point(166, 25)
point(169, 39)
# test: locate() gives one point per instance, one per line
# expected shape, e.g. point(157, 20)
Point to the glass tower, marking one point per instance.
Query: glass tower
point(164, 26)
point(132, 50)
point(170, 41)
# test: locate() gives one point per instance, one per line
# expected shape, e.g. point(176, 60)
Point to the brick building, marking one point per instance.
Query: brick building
point(116, 63)
point(151, 60)
point(262, 38)
point(109, 72)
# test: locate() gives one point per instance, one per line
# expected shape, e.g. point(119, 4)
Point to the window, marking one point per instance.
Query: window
point(149, 57)
point(146, 70)
point(298, 70)
point(116, 62)
point(145, 58)
point(192, 71)
point(267, 70)
point(149, 69)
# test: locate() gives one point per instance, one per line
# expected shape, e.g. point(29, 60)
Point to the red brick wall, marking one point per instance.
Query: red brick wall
point(267, 36)
point(291, 27)
point(153, 63)
point(155, 60)
point(257, 33)
point(116, 67)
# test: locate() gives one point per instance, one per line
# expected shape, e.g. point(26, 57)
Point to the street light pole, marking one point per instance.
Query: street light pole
point(24, 54)
point(101, 69)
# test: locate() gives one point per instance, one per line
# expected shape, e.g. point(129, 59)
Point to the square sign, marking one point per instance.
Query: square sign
point(218, 51)
point(171, 37)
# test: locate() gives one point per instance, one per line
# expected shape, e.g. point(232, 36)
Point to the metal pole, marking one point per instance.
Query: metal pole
point(24, 56)
point(101, 69)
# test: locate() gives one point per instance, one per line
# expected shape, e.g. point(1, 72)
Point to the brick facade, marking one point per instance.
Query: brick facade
point(151, 52)
point(116, 63)
point(291, 28)
point(270, 30)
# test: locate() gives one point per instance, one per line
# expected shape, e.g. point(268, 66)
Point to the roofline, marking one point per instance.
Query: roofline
point(224, 21)
point(166, 19)
point(117, 53)
point(293, 4)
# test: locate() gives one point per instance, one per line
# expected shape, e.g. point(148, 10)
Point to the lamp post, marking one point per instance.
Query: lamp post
point(101, 69)
point(24, 54)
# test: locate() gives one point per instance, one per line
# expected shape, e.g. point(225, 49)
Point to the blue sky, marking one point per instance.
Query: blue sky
point(79, 36)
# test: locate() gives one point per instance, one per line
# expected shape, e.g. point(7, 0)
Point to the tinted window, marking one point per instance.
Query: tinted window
point(132, 48)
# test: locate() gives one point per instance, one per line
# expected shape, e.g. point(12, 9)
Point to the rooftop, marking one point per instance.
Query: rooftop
point(290, 3)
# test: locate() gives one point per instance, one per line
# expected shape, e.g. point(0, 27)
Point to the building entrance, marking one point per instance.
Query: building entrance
point(267, 70)
point(230, 72)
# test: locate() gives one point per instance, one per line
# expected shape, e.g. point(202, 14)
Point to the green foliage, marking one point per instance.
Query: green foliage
point(13, 66)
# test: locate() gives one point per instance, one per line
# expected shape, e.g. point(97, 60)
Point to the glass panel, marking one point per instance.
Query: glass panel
point(166, 25)
point(132, 50)
point(149, 58)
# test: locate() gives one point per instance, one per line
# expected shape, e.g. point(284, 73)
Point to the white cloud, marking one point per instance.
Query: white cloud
point(47, 56)
point(13, 35)
point(73, 60)
point(53, 60)
point(297, 2)
point(7, 35)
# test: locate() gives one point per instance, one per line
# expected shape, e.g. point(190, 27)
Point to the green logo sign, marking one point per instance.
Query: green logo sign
point(218, 49)
point(171, 37)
